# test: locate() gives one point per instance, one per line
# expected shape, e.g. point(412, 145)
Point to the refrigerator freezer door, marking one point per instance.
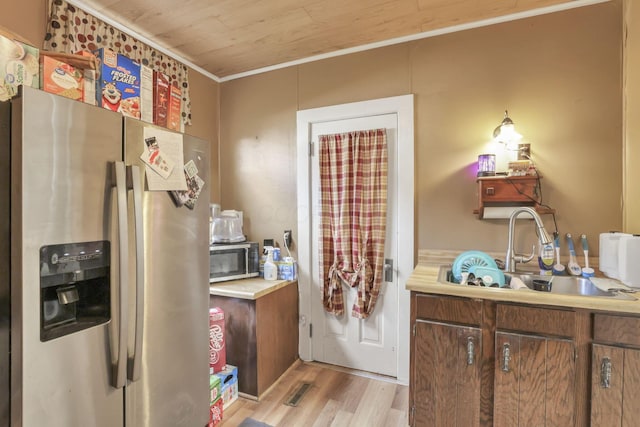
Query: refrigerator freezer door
point(62, 155)
point(173, 387)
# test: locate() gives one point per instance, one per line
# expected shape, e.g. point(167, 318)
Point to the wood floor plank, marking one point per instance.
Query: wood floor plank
point(342, 419)
point(374, 405)
point(328, 414)
point(396, 418)
point(336, 398)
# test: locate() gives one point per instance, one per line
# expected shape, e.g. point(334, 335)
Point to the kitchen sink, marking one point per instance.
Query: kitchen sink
point(562, 285)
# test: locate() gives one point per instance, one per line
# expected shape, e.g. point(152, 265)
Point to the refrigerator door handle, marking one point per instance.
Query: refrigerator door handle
point(133, 182)
point(119, 377)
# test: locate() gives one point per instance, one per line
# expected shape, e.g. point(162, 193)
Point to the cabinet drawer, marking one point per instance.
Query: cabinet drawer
point(544, 321)
point(507, 190)
point(616, 329)
point(449, 309)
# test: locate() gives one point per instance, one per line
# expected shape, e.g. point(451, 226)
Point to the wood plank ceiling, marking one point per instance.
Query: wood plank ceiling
point(228, 37)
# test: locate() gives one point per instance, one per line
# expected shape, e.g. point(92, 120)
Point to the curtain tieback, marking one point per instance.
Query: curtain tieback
point(360, 272)
point(334, 281)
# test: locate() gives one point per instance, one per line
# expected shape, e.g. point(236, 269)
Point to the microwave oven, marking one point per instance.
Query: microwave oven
point(233, 261)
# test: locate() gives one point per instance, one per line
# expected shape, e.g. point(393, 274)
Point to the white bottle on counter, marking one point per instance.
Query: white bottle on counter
point(270, 268)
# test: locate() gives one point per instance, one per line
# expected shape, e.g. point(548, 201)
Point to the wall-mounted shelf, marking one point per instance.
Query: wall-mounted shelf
point(504, 193)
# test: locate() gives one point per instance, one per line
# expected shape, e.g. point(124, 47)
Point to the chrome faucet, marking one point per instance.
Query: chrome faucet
point(511, 257)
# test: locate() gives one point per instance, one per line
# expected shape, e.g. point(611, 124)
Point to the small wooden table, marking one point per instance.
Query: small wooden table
point(261, 327)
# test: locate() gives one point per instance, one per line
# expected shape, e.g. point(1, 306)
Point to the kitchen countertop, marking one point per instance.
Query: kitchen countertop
point(250, 289)
point(425, 279)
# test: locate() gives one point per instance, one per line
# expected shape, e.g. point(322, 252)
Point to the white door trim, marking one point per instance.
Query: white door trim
point(403, 107)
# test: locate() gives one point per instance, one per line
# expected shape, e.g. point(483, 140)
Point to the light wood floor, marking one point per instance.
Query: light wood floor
point(337, 397)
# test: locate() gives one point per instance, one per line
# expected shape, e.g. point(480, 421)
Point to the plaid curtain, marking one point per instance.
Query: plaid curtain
point(353, 188)
point(70, 30)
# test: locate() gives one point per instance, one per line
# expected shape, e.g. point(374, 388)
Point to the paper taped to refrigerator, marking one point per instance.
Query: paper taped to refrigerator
point(171, 145)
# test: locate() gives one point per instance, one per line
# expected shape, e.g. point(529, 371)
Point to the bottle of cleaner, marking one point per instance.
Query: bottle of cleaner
point(270, 268)
point(545, 259)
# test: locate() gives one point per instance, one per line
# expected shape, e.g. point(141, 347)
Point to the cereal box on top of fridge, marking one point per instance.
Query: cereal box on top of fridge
point(217, 350)
point(19, 65)
point(61, 78)
point(118, 83)
point(89, 91)
point(146, 93)
point(175, 108)
point(160, 98)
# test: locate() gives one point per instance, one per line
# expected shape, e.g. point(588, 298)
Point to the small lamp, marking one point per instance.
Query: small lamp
point(506, 133)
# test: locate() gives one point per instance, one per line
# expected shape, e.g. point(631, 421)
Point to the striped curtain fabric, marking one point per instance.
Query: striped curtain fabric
point(353, 193)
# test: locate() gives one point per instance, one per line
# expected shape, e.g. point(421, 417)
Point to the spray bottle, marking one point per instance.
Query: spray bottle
point(270, 268)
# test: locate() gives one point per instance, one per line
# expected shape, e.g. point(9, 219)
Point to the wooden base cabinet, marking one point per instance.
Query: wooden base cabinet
point(485, 363)
point(615, 371)
point(261, 336)
point(615, 386)
point(447, 376)
point(535, 380)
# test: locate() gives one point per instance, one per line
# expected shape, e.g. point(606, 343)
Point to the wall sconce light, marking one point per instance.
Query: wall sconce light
point(506, 133)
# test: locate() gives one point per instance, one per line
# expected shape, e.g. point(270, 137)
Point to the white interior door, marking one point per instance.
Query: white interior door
point(309, 292)
point(342, 340)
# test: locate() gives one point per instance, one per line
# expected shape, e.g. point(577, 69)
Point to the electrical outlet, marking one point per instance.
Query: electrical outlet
point(524, 151)
point(287, 238)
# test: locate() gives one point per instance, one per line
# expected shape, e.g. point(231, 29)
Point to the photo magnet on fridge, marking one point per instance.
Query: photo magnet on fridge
point(194, 187)
point(156, 160)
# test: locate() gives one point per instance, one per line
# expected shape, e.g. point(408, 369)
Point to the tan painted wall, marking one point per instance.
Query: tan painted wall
point(28, 18)
point(631, 113)
point(559, 75)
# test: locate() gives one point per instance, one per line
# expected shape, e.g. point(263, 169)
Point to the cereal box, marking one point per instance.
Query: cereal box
point(89, 91)
point(217, 350)
point(160, 98)
point(61, 78)
point(118, 83)
point(19, 65)
point(146, 93)
point(175, 112)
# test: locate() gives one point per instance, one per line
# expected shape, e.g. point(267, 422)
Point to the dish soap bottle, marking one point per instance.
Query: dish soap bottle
point(270, 268)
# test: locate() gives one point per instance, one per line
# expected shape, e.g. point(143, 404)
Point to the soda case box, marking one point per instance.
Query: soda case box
point(118, 83)
point(217, 350)
point(215, 413)
point(160, 98)
point(61, 78)
point(175, 108)
point(215, 388)
point(19, 65)
point(146, 93)
point(229, 380)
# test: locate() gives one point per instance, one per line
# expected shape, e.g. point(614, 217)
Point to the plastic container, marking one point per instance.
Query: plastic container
point(270, 268)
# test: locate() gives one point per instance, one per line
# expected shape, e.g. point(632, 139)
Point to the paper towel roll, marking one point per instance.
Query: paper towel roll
point(501, 212)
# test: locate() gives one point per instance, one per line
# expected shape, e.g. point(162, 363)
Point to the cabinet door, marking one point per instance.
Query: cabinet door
point(534, 381)
point(615, 386)
point(447, 375)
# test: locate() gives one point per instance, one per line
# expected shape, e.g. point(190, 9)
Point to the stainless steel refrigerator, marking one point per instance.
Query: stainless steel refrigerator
point(103, 283)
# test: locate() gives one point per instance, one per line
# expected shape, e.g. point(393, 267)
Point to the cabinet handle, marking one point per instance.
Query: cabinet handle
point(471, 351)
point(506, 356)
point(605, 373)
